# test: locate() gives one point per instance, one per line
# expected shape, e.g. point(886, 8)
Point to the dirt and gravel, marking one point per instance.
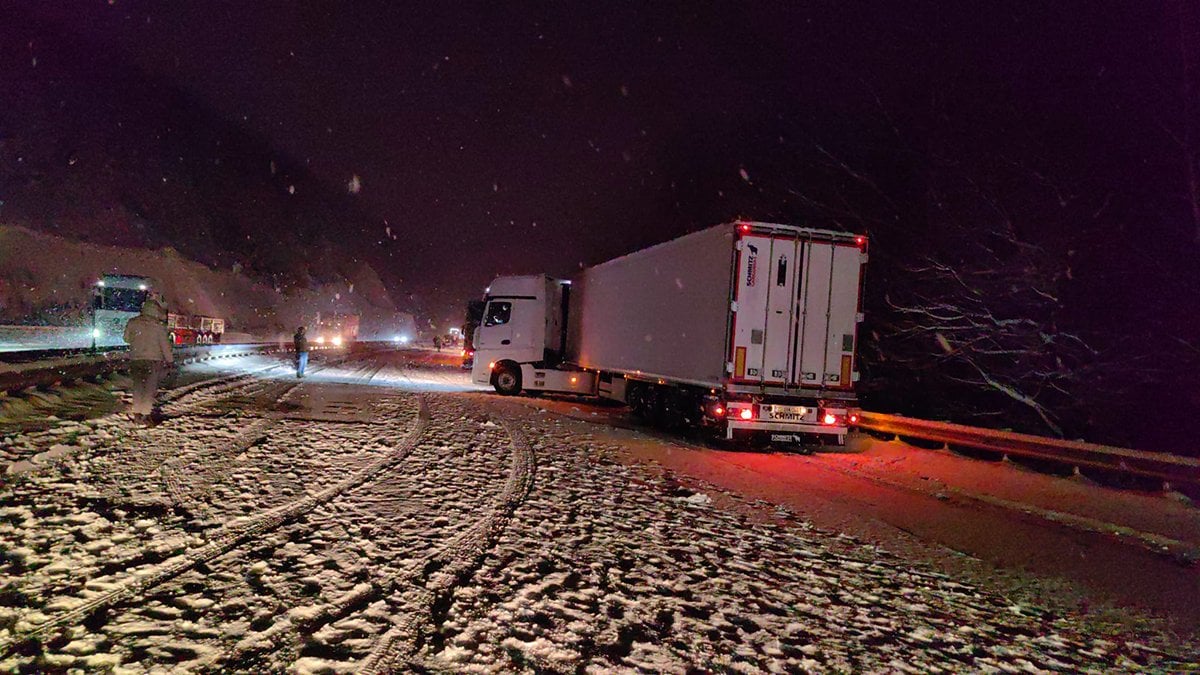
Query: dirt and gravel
point(382, 516)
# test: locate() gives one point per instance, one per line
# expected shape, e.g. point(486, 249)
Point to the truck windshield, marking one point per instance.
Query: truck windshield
point(122, 299)
point(498, 313)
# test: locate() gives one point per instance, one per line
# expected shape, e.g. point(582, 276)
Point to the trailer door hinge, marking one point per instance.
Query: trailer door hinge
point(862, 258)
point(854, 376)
point(860, 317)
point(738, 245)
point(729, 366)
point(733, 306)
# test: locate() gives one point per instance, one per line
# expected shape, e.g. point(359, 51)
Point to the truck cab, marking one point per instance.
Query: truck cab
point(522, 336)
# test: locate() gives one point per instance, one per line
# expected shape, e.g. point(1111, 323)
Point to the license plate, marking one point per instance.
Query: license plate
point(784, 438)
point(787, 413)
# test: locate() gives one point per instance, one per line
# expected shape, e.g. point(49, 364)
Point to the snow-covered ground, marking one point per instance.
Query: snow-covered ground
point(379, 516)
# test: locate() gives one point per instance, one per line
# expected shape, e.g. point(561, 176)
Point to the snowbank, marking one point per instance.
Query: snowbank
point(49, 277)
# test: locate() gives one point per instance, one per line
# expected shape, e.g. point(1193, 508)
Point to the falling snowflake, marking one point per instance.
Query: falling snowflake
point(291, 189)
point(624, 91)
point(744, 174)
point(566, 80)
point(355, 185)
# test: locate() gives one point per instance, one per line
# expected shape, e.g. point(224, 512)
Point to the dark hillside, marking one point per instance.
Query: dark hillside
point(95, 150)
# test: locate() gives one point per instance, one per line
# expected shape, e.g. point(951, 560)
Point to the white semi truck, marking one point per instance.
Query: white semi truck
point(746, 329)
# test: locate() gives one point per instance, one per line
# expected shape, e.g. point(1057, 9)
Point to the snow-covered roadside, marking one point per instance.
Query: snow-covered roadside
point(605, 567)
point(324, 528)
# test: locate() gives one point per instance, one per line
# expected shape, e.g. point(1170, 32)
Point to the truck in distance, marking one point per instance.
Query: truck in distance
point(116, 298)
point(748, 330)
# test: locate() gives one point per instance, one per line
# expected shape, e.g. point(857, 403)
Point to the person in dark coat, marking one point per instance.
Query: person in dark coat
point(300, 340)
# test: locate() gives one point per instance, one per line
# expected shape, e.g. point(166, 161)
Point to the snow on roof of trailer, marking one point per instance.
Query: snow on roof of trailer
point(832, 234)
point(732, 227)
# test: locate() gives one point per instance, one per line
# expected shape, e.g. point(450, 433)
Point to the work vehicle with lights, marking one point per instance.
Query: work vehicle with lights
point(116, 298)
point(747, 329)
point(334, 330)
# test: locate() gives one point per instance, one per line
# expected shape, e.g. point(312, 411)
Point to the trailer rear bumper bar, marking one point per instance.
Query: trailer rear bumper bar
point(783, 428)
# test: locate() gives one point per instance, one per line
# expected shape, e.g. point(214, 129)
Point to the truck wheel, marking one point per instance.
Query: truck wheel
point(507, 380)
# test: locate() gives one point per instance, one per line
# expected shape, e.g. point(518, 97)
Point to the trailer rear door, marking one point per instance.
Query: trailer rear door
point(797, 305)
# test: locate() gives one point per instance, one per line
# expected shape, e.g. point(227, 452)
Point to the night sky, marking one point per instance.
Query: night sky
point(539, 137)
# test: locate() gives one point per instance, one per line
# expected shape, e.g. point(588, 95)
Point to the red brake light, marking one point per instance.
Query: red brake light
point(829, 419)
point(744, 227)
point(718, 411)
point(853, 419)
point(746, 414)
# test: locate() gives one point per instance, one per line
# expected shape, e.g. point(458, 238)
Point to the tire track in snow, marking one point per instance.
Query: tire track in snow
point(435, 574)
point(431, 579)
point(222, 542)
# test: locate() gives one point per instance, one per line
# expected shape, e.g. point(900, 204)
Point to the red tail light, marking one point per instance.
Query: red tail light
point(853, 418)
point(746, 414)
point(718, 411)
point(829, 419)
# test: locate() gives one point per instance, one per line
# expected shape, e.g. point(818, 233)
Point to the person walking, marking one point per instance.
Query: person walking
point(149, 356)
point(300, 340)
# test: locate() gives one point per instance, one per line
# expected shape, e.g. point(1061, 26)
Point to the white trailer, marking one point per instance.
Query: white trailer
point(748, 329)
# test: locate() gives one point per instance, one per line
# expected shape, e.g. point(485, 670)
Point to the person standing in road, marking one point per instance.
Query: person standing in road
point(300, 340)
point(437, 343)
point(149, 356)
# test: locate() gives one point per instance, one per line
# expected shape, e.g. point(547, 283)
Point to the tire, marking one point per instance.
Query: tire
point(507, 379)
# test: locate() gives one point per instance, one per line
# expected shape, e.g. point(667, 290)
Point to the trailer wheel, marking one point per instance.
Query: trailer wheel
point(507, 380)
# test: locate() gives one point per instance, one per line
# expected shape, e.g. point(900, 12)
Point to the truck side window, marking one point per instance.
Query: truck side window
point(498, 313)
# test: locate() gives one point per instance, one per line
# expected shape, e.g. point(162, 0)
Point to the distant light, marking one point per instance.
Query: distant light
point(746, 414)
point(337, 340)
point(96, 332)
point(403, 339)
point(567, 283)
point(141, 287)
point(854, 419)
point(100, 283)
point(320, 339)
point(574, 379)
point(718, 411)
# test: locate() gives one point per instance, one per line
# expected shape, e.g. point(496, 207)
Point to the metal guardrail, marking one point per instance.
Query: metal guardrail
point(1168, 468)
point(70, 365)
